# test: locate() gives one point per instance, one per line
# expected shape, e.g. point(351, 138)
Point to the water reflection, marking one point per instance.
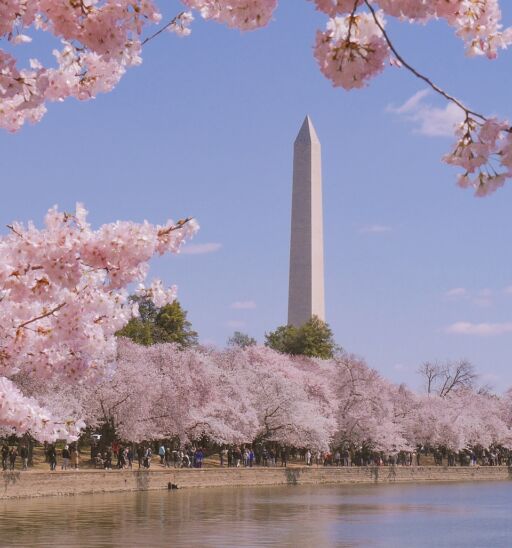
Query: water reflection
point(469, 515)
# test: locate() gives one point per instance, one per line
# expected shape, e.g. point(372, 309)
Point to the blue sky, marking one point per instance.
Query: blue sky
point(205, 127)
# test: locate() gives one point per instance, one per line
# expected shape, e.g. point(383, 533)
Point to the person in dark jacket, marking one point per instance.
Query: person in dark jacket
point(140, 455)
point(107, 463)
point(52, 457)
point(24, 456)
point(13, 453)
point(5, 456)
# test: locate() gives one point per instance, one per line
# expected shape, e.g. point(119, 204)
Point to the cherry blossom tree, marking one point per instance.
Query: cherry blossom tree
point(256, 394)
point(163, 391)
point(291, 396)
point(100, 39)
point(461, 420)
point(230, 396)
point(365, 402)
point(62, 299)
point(199, 397)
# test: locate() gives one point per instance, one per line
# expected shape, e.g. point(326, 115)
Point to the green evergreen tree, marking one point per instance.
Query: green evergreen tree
point(154, 325)
point(172, 326)
point(241, 339)
point(313, 339)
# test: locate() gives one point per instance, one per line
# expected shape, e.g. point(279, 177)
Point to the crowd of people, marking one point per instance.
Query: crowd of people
point(10, 454)
point(123, 456)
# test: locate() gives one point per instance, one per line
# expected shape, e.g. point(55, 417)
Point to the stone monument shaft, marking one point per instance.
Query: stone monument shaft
point(306, 290)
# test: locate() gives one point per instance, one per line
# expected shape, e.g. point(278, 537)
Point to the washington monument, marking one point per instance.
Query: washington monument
point(306, 291)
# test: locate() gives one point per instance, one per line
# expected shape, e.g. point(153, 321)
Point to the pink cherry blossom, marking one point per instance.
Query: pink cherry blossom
point(20, 414)
point(101, 39)
point(333, 7)
point(258, 395)
point(63, 296)
point(240, 14)
point(483, 150)
point(351, 51)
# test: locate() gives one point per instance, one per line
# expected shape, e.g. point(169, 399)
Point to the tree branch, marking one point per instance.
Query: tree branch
point(419, 75)
point(170, 24)
point(45, 315)
point(10, 227)
point(180, 224)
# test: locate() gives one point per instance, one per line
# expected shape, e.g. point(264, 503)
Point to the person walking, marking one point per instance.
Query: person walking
point(161, 454)
point(121, 458)
point(75, 457)
point(13, 453)
point(5, 456)
point(52, 457)
point(238, 457)
point(66, 455)
point(284, 457)
point(140, 455)
point(147, 457)
point(24, 456)
point(223, 456)
point(107, 463)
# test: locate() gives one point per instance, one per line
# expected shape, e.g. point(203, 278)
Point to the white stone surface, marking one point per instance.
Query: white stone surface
point(306, 289)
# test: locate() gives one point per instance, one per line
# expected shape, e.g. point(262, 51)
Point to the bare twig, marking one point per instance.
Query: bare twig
point(170, 24)
point(180, 224)
point(10, 227)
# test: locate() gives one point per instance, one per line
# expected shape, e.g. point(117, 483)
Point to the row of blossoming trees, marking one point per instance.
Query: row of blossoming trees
point(238, 395)
point(63, 298)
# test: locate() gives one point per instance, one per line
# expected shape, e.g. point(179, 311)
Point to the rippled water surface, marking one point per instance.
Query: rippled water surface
point(466, 515)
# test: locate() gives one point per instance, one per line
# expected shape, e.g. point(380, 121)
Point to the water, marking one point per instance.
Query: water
point(413, 515)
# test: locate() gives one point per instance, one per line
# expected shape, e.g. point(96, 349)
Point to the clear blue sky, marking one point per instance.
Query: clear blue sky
point(205, 127)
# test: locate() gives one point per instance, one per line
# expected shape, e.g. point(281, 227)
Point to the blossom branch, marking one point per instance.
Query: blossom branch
point(178, 24)
point(180, 224)
point(44, 315)
point(416, 73)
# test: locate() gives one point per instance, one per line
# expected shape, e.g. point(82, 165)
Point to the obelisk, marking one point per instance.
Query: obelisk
point(306, 291)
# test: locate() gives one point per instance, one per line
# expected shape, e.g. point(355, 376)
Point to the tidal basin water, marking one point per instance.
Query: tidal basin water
point(468, 515)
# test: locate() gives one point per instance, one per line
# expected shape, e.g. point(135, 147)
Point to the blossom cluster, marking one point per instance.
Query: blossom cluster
point(63, 295)
point(19, 413)
point(351, 50)
point(484, 151)
point(102, 38)
point(477, 22)
point(240, 14)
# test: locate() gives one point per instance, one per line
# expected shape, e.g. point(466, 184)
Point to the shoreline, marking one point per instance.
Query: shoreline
point(34, 484)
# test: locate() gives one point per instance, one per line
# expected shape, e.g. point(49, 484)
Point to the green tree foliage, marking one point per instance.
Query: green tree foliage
point(154, 325)
point(314, 339)
point(241, 339)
